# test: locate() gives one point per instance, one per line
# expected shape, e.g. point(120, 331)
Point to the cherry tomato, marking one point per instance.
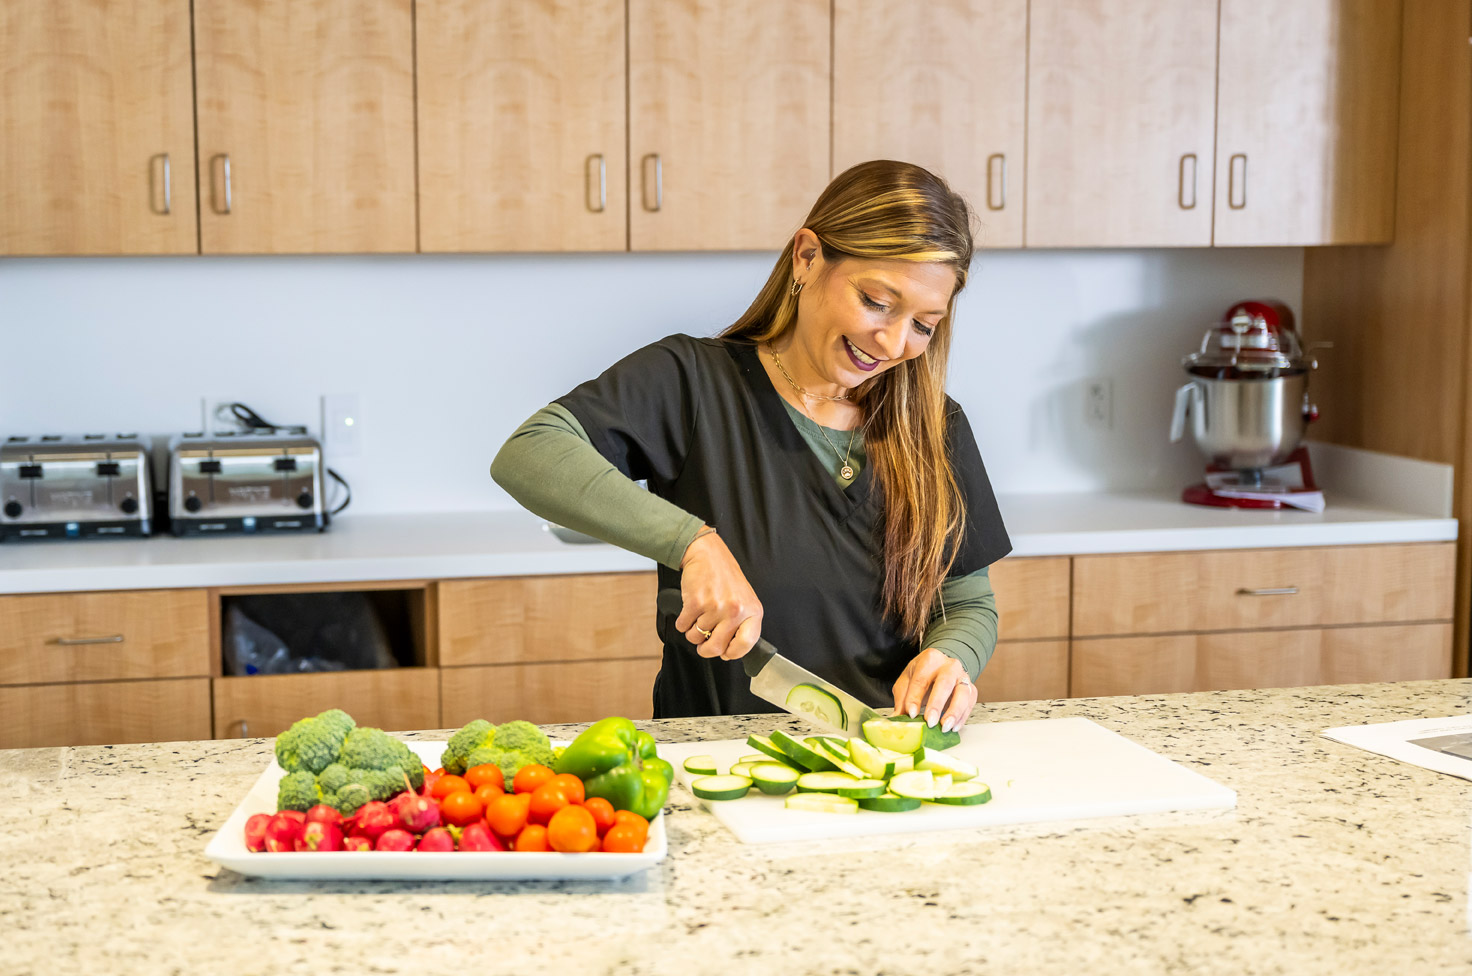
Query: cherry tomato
point(572, 785)
point(461, 808)
point(547, 799)
point(486, 773)
point(623, 839)
point(632, 819)
point(572, 831)
point(533, 837)
point(430, 778)
point(602, 812)
point(488, 793)
point(528, 778)
point(507, 814)
point(448, 784)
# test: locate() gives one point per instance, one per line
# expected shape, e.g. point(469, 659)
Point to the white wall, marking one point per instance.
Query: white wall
point(449, 354)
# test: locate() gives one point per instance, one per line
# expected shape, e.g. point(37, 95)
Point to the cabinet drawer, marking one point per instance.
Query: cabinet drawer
point(396, 699)
point(56, 637)
point(1157, 593)
point(104, 712)
point(547, 618)
point(1032, 597)
point(582, 691)
point(1025, 671)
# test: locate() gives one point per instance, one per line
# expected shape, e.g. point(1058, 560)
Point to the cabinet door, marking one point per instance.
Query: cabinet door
point(941, 83)
point(306, 125)
point(96, 128)
point(1025, 671)
point(567, 691)
point(94, 713)
point(728, 121)
point(1306, 122)
point(397, 699)
point(1121, 101)
point(522, 125)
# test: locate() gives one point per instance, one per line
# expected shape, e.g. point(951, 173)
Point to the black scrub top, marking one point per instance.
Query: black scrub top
point(700, 421)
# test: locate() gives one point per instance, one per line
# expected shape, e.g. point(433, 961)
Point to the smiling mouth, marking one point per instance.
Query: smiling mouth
point(859, 357)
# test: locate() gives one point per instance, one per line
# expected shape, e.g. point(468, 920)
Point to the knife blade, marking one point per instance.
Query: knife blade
point(788, 685)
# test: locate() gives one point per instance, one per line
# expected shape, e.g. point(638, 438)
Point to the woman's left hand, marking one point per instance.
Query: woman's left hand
point(939, 685)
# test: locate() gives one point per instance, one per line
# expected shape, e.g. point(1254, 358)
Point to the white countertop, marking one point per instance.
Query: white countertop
point(471, 544)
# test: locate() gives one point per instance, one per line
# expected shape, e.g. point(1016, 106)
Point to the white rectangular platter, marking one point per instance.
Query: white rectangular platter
point(1039, 770)
point(227, 848)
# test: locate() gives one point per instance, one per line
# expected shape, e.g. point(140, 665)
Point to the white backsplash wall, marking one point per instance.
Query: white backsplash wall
point(449, 354)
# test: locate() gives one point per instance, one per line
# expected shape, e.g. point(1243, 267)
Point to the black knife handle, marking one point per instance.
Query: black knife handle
point(670, 603)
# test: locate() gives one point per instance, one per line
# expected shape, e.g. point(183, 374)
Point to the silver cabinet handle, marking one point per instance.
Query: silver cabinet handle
point(658, 181)
point(162, 159)
point(1000, 159)
point(79, 641)
point(1232, 183)
point(1268, 591)
point(1182, 183)
point(223, 160)
point(602, 182)
point(244, 728)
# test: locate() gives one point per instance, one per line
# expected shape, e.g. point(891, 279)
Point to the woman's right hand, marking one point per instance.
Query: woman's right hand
point(722, 616)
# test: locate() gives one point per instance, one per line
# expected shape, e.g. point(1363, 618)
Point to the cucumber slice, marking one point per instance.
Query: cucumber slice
point(917, 784)
point(822, 803)
point(701, 765)
point(720, 787)
point(824, 782)
point(942, 783)
point(743, 768)
point(889, 803)
point(938, 762)
point(799, 753)
point(869, 760)
point(768, 748)
point(774, 778)
point(862, 789)
point(965, 794)
point(821, 705)
point(903, 761)
point(934, 737)
point(837, 753)
point(763, 757)
point(895, 736)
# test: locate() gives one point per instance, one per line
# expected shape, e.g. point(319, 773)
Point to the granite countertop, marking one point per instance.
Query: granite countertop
point(1335, 861)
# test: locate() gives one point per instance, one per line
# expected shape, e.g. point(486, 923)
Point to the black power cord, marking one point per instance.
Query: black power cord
point(251, 420)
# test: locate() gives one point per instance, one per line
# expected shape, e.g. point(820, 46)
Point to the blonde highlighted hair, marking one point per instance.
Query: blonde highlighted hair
point(891, 210)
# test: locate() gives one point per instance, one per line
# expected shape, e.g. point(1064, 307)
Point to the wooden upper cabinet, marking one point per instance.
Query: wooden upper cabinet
point(1121, 99)
point(941, 83)
point(729, 121)
point(522, 125)
point(306, 126)
point(96, 128)
point(1307, 122)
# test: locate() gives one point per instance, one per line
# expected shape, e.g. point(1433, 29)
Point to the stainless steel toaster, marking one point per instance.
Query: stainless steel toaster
point(85, 486)
point(264, 480)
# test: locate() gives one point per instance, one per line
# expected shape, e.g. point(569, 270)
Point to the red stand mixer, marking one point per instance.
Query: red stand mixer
point(1247, 407)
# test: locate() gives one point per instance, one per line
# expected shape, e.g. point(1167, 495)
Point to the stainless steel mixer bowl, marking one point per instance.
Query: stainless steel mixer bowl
point(1243, 422)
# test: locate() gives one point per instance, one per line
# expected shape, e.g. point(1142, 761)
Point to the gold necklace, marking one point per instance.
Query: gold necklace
point(847, 471)
point(788, 377)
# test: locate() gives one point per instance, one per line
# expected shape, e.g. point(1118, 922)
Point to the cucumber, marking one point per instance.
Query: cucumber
point(863, 789)
point(720, 787)
point(822, 803)
point(763, 757)
point(836, 754)
point(774, 778)
point(942, 783)
point(800, 754)
point(965, 794)
point(701, 765)
point(743, 768)
point(824, 782)
point(889, 803)
point(903, 761)
point(768, 748)
point(895, 736)
point(934, 737)
point(869, 760)
point(939, 762)
point(811, 700)
point(918, 784)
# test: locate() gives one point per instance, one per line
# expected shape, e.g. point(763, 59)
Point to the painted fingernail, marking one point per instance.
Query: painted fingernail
point(914, 709)
point(930, 718)
point(945, 726)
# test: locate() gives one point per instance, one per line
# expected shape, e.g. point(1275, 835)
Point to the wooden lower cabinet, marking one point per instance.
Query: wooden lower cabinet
point(1025, 671)
point(104, 712)
point(396, 699)
point(559, 691)
point(1163, 664)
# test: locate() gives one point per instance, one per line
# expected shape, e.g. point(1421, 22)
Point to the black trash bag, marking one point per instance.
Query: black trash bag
point(300, 633)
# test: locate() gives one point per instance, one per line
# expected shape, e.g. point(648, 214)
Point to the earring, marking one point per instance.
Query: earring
point(796, 287)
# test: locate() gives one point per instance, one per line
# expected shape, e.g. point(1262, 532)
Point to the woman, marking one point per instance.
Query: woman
point(808, 478)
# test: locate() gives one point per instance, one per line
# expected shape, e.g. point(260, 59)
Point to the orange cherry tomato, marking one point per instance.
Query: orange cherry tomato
point(461, 808)
point(488, 793)
point(572, 831)
point(528, 778)
point(602, 812)
point(632, 819)
point(623, 839)
point(572, 785)
point(486, 773)
point(547, 799)
point(507, 814)
point(533, 837)
point(448, 784)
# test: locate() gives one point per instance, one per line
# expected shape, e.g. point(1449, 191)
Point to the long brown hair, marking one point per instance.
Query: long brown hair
point(891, 210)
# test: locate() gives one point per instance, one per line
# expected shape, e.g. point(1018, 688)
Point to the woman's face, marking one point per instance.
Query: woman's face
point(858, 317)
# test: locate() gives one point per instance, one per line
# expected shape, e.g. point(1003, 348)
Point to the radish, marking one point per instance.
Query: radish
point(319, 836)
point(478, 837)
point(372, 819)
point(255, 831)
point(415, 813)
point(322, 813)
point(437, 840)
point(357, 844)
point(282, 832)
point(296, 815)
point(395, 840)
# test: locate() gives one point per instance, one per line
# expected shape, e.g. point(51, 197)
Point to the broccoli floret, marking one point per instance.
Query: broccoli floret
point(347, 800)
point(512, 760)
point(333, 778)
point(475, 735)
point(312, 744)
point(366, 748)
point(520, 736)
point(411, 764)
point(298, 791)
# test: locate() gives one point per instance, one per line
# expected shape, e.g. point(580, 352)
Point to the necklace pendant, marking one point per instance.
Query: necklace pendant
point(846, 472)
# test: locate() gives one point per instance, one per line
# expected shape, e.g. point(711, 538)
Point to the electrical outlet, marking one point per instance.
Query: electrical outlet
point(1099, 403)
point(342, 425)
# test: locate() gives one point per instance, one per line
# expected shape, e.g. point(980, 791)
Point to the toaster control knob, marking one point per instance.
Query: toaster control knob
point(128, 505)
point(192, 503)
point(304, 499)
point(13, 509)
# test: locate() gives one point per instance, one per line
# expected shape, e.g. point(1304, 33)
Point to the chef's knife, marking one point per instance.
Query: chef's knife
point(787, 685)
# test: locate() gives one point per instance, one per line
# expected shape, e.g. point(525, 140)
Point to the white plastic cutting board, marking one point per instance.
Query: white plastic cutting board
point(1045, 769)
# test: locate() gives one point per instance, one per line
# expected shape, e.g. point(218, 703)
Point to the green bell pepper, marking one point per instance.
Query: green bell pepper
point(617, 762)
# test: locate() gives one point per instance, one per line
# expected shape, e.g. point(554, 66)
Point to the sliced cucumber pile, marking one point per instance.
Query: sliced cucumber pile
point(801, 753)
point(720, 787)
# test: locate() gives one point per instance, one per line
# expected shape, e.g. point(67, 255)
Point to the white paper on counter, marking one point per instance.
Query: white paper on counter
point(1443, 745)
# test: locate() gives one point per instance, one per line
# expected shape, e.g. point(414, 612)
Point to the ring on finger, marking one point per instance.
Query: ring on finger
point(707, 633)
